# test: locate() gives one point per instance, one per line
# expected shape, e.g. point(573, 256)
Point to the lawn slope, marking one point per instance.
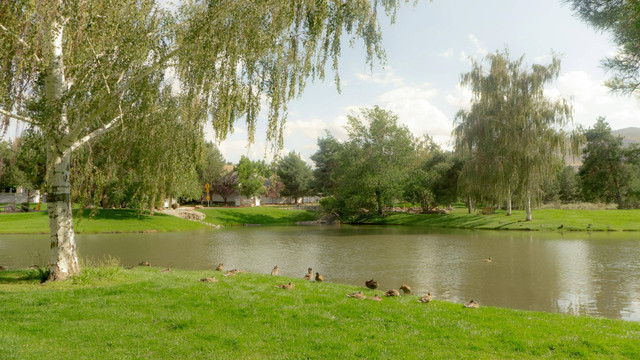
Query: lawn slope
point(546, 219)
point(112, 313)
point(263, 215)
point(105, 221)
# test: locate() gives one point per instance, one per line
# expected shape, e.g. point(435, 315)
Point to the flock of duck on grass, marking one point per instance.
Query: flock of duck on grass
point(370, 284)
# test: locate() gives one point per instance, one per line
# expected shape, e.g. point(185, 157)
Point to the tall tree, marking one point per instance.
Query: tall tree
point(374, 162)
point(604, 172)
point(31, 160)
point(326, 161)
point(513, 132)
point(621, 18)
point(211, 166)
point(250, 180)
point(295, 174)
point(82, 62)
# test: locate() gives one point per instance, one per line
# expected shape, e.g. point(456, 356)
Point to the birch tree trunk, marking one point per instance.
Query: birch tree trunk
point(509, 201)
point(528, 207)
point(64, 258)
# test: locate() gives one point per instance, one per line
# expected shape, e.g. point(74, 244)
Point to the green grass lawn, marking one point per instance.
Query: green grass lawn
point(546, 219)
point(264, 215)
point(112, 313)
point(106, 220)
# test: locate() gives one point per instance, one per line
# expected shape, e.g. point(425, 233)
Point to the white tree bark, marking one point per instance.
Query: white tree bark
point(528, 207)
point(509, 200)
point(64, 257)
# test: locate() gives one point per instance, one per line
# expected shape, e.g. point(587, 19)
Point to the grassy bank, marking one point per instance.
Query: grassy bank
point(546, 219)
point(263, 215)
point(105, 221)
point(111, 313)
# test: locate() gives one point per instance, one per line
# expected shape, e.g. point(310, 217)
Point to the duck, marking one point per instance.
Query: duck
point(359, 295)
point(309, 275)
point(488, 260)
point(144, 263)
point(209, 279)
point(371, 284)
point(289, 286)
point(220, 267)
point(375, 297)
point(472, 304)
point(392, 292)
point(166, 270)
point(406, 289)
point(231, 273)
point(319, 278)
point(274, 272)
point(425, 298)
point(2, 268)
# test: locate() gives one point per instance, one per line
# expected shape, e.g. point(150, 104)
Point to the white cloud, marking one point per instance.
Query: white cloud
point(591, 99)
point(446, 54)
point(541, 59)
point(479, 48)
point(466, 58)
point(385, 78)
point(461, 98)
point(414, 109)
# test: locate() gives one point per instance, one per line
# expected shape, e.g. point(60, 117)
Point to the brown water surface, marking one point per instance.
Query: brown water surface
point(575, 273)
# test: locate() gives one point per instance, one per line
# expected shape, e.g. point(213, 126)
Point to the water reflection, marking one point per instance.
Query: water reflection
point(574, 273)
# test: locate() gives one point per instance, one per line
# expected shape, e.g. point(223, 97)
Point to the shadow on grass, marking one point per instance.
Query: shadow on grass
point(37, 275)
point(113, 214)
point(466, 221)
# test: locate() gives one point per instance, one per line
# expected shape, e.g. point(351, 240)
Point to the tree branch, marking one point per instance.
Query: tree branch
point(107, 127)
point(18, 117)
point(20, 40)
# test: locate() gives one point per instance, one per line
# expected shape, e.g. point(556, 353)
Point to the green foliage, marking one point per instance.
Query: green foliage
point(622, 20)
point(7, 167)
point(326, 161)
point(171, 316)
point(295, 174)
point(211, 166)
point(250, 181)
point(373, 163)
point(32, 159)
point(434, 179)
point(608, 169)
point(569, 185)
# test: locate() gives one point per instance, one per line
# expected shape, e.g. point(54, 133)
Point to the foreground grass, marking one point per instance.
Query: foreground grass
point(111, 313)
point(105, 221)
point(263, 215)
point(545, 219)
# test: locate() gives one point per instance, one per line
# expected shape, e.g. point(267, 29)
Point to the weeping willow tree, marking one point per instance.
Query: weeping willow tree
point(513, 132)
point(75, 69)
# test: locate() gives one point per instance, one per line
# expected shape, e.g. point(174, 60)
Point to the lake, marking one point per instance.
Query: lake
point(582, 273)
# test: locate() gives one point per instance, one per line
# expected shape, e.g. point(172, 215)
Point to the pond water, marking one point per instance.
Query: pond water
point(575, 273)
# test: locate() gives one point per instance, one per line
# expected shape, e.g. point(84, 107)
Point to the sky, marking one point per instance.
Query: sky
point(428, 48)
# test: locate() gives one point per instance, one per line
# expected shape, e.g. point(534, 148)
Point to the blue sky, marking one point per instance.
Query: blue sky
point(427, 51)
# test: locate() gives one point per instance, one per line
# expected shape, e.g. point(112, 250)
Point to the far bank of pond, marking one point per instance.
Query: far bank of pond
point(145, 313)
point(543, 220)
point(122, 220)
